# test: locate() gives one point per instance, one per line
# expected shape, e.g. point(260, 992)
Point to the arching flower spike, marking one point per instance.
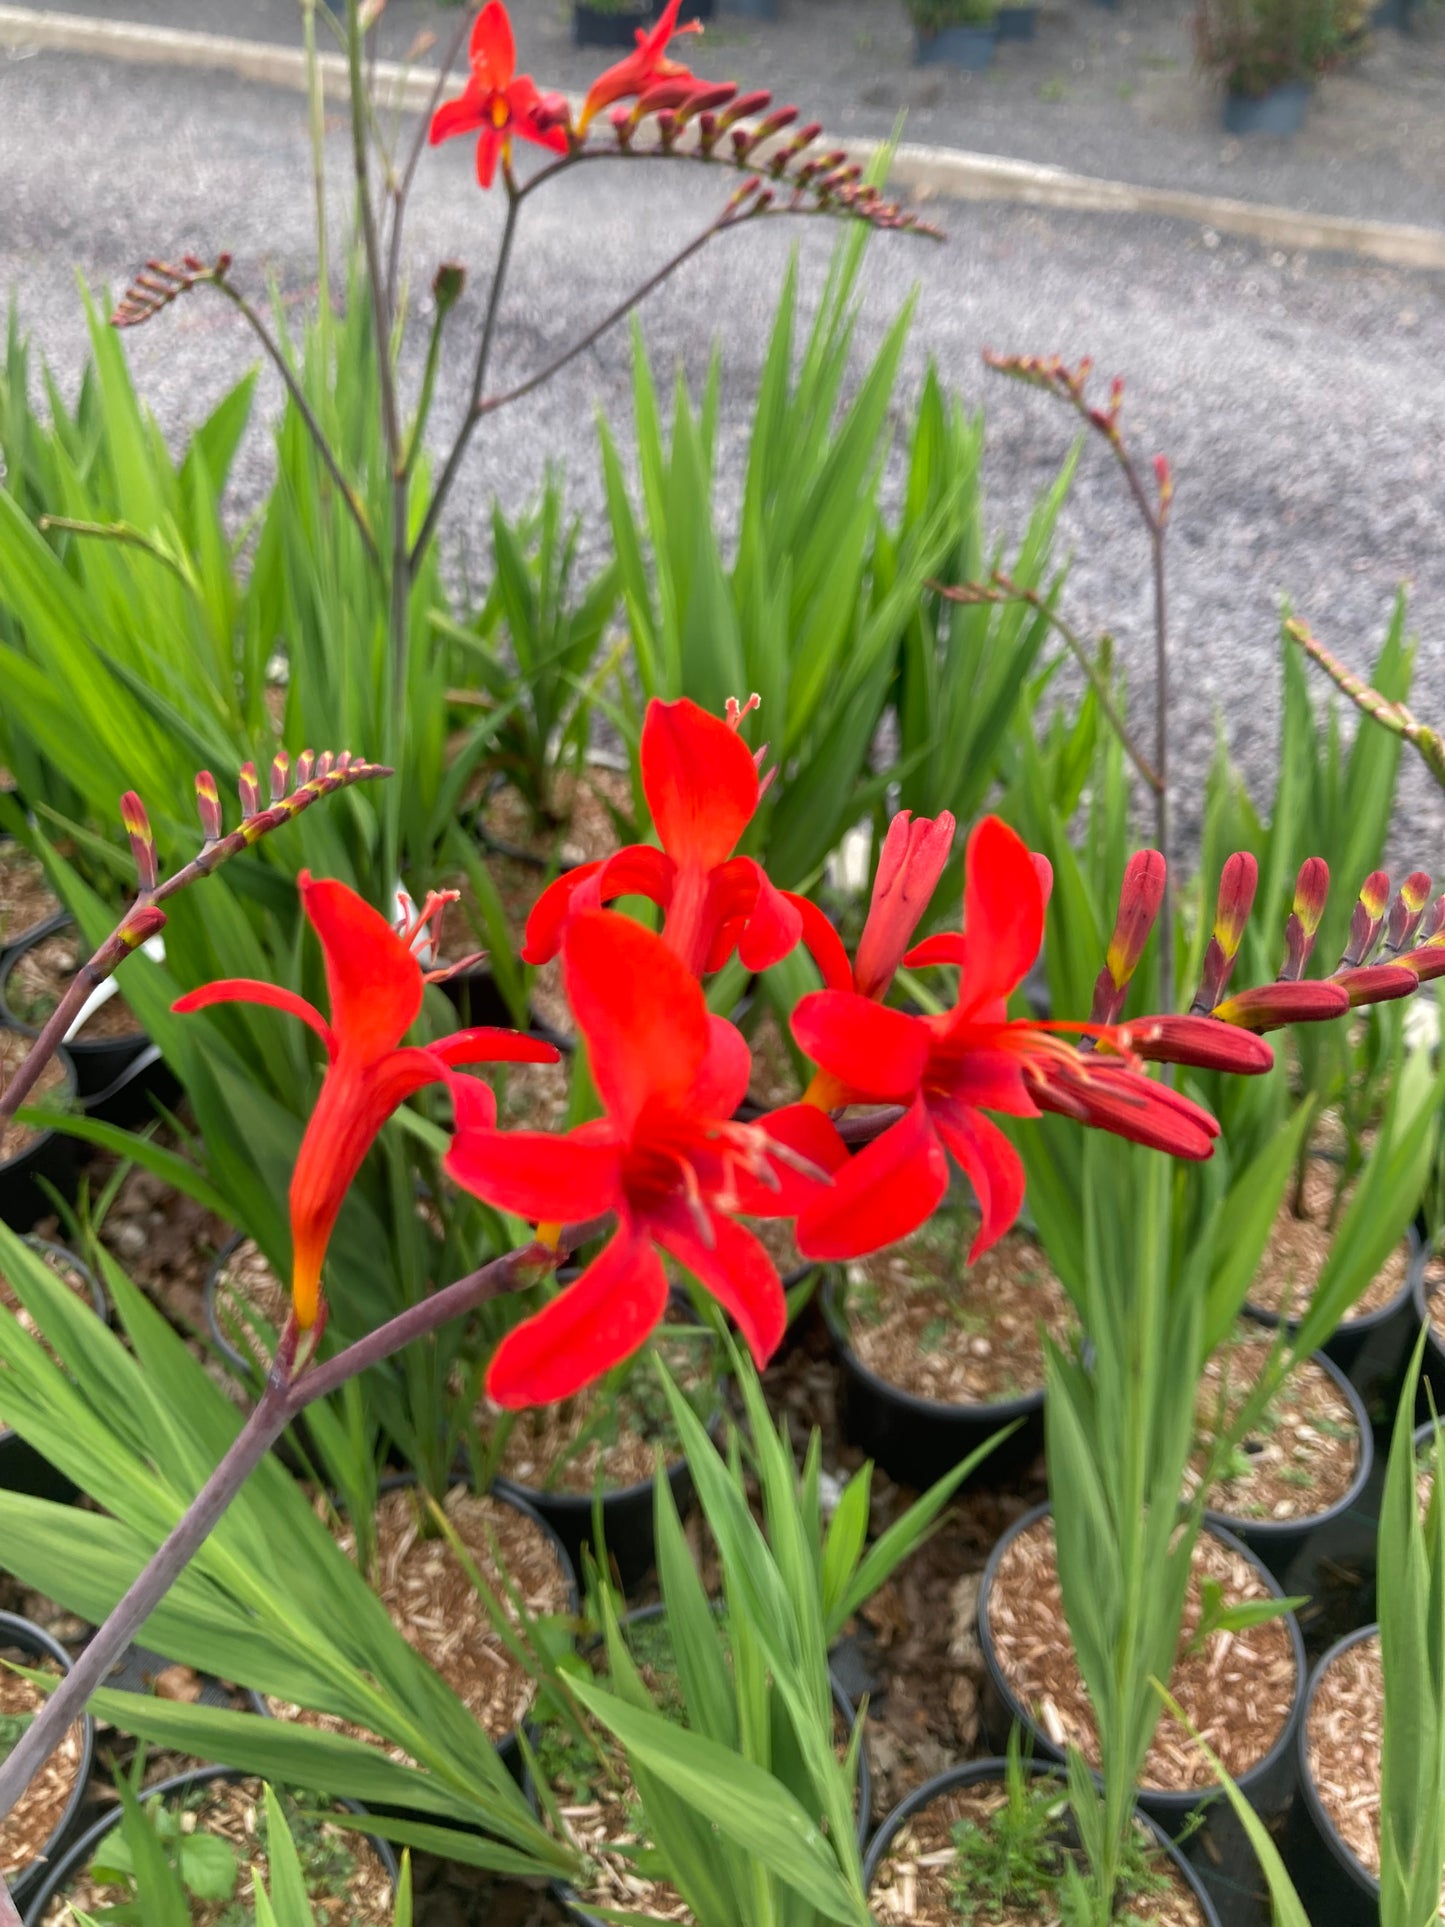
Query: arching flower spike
point(667, 1158)
point(375, 986)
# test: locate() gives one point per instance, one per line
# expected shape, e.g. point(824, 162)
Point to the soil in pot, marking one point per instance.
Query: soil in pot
point(26, 899)
point(1299, 1244)
point(347, 1881)
point(247, 1298)
point(1344, 1740)
point(41, 1808)
point(973, 1856)
point(40, 977)
point(14, 1136)
point(1238, 1689)
point(66, 1268)
point(464, 933)
point(433, 1603)
point(599, 1805)
point(926, 1322)
point(586, 807)
point(606, 1438)
point(1301, 1458)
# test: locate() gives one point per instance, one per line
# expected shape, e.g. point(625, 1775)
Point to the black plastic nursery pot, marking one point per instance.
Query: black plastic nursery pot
point(1016, 23)
point(1214, 1842)
point(1434, 1362)
point(99, 1062)
point(1333, 1885)
point(627, 1519)
point(1280, 112)
point(507, 1747)
point(1372, 1351)
point(749, 9)
point(916, 1440)
point(1295, 1550)
point(179, 1785)
point(146, 1084)
point(606, 27)
point(567, 1897)
point(969, 47)
point(981, 1772)
point(30, 1645)
point(22, 1468)
point(49, 1155)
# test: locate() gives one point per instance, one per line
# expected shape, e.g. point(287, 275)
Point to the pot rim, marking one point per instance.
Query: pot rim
point(18, 1631)
point(968, 1773)
point(929, 1408)
point(1270, 1531)
point(76, 1853)
point(1370, 1321)
point(1164, 1799)
point(1324, 1826)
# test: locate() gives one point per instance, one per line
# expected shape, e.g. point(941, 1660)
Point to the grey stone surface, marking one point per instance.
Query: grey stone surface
point(1299, 397)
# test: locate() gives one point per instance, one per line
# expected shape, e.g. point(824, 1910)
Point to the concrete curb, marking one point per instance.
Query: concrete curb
point(918, 173)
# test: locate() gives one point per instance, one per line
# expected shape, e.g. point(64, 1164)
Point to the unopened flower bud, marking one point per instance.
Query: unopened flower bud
point(208, 804)
point(1407, 912)
point(447, 285)
point(249, 786)
point(305, 767)
point(1367, 919)
point(1377, 983)
point(910, 863)
point(1311, 893)
point(142, 842)
point(1142, 893)
point(1268, 1006)
point(141, 925)
point(1237, 883)
point(280, 774)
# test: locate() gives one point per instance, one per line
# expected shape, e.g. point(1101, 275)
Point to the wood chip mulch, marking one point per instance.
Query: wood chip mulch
point(1237, 1690)
point(1344, 1742)
point(1302, 1457)
point(915, 1883)
point(38, 1812)
point(25, 897)
point(1300, 1243)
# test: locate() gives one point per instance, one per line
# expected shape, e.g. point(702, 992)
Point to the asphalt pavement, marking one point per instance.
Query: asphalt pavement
point(1299, 397)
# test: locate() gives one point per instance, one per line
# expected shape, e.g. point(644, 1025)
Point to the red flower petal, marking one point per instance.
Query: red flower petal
point(594, 1325)
point(823, 943)
point(1003, 914)
point(946, 947)
point(641, 1011)
point(539, 1176)
point(533, 118)
point(490, 145)
point(990, 1163)
point(773, 927)
point(912, 859)
point(247, 990)
point(493, 50)
point(986, 1075)
point(808, 1133)
point(721, 1083)
point(464, 115)
point(484, 1044)
point(700, 781)
point(880, 1195)
point(734, 1268)
point(877, 1052)
point(638, 870)
point(548, 916)
point(374, 981)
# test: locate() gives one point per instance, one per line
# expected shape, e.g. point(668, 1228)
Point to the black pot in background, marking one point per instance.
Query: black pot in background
point(22, 1468)
point(969, 47)
point(916, 1440)
point(28, 1645)
point(975, 1772)
point(750, 9)
point(477, 999)
point(49, 1155)
point(83, 1850)
point(1295, 1550)
point(146, 1083)
point(565, 1896)
point(99, 1063)
point(507, 1748)
point(1016, 23)
point(1433, 1371)
point(1280, 112)
point(1213, 1841)
point(592, 27)
point(1372, 1351)
point(1331, 1882)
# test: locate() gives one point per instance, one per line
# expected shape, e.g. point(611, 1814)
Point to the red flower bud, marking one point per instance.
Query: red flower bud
point(208, 803)
point(142, 842)
point(1207, 1043)
point(1142, 893)
point(1377, 983)
point(1237, 883)
point(911, 862)
point(1268, 1006)
point(1311, 891)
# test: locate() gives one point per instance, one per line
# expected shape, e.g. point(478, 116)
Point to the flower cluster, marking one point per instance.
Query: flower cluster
point(672, 1165)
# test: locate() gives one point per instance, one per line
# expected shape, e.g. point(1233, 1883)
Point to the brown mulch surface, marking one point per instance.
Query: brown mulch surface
point(40, 978)
point(1299, 1244)
point(25, 897)
point(39, 1810)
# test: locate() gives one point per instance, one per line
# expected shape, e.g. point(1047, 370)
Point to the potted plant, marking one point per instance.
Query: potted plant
point(610, 23)
point(27, 902)
point(199, 1846)
point(105, 1039)
point(995, 1840)
point(22, 1468)
point(938, 1355)
point(962, 33)
point(1269, 54)
point(29, 1153)
point(41, 1824)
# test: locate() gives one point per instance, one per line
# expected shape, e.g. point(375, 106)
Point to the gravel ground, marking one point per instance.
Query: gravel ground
point(1299, 396)
point(1112, 94)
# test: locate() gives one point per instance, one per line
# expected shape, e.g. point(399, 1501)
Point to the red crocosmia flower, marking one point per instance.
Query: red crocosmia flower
point(949, 1069)
point(642, 69)
point(702, 787)
point(498, 102)
point(914, 854)
point(667, 1158)
point(375, 985)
